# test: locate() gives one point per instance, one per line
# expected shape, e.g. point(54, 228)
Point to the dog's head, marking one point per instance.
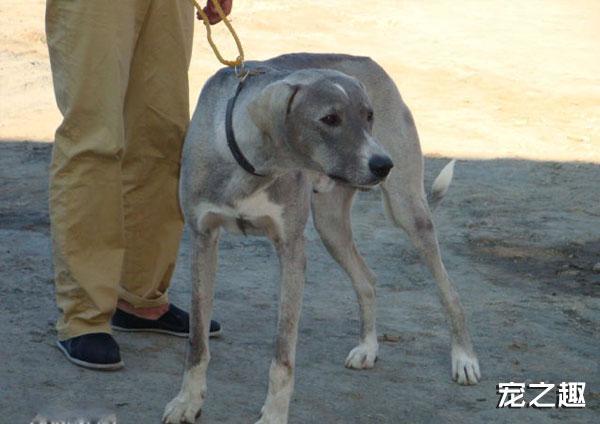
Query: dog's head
point(324, 120)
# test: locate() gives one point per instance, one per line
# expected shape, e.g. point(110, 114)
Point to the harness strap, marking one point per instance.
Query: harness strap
point(233, 146)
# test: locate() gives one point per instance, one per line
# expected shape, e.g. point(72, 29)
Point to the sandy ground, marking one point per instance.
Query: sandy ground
point(513, 89)
point(484, 79)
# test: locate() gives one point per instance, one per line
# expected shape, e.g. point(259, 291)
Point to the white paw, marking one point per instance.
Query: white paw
point(465, 366)
point(184, 408)
point(362, 356)
point(273, 413)
point(272, 419)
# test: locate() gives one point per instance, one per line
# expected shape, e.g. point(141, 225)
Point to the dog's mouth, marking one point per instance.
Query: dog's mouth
point(363, 187)
point(339, 179)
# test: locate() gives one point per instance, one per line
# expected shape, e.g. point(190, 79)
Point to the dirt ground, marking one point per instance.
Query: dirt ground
point(511, 89)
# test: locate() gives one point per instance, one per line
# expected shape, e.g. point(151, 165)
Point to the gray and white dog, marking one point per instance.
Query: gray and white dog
point(317, 128)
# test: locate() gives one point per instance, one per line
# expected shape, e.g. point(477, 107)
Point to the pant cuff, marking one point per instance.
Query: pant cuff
point(140, 302)
point(79, 328)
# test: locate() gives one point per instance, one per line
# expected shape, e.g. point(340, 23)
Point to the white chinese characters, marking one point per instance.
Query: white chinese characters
point(570, 395)
point(567, 395)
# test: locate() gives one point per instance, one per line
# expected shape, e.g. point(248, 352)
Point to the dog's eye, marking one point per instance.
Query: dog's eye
point(332, 120)
point(370, 116)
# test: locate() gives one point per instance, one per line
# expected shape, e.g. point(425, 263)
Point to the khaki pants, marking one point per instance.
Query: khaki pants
point(120, 77)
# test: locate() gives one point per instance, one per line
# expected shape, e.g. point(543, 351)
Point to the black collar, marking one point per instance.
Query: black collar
point(233, 146)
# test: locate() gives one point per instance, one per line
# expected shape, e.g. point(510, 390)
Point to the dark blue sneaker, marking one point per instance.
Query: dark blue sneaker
point(97, 351)
point(175, 322)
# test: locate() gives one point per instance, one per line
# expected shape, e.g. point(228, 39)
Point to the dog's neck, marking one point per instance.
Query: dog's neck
point(270, 158)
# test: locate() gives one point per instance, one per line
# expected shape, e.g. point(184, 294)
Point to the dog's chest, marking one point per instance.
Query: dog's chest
point(254, 215)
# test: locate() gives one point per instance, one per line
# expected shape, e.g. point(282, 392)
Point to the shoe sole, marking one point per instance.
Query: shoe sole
point(90, 365)
point(161, 331)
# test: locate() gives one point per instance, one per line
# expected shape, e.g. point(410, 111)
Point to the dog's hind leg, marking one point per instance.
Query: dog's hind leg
point(292, 261)
point(331, 215)
point(411, 213)
point(186, 406)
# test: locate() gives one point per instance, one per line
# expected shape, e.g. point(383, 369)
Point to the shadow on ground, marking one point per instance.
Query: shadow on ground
point(521, 239)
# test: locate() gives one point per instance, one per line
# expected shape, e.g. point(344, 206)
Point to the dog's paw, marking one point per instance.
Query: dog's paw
point(362, 356)
point(272, 418)
point(184, 408)
point(465, 366)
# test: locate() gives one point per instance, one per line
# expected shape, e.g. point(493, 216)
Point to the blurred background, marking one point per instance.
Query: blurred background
point(484, 79)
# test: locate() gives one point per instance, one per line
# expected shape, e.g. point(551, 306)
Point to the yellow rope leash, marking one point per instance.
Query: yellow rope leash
point(237, 63)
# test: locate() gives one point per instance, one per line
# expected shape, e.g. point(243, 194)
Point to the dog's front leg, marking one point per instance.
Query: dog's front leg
point(281, 375)
point(331, 215)
point(186, 406)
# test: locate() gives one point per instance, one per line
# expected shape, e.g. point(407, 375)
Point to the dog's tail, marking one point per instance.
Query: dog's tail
point(440, 186)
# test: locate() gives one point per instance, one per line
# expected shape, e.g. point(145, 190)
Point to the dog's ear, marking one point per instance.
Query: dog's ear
point(272, 105)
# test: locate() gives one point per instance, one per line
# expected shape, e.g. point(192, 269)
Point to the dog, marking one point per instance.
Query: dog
point(303, 133)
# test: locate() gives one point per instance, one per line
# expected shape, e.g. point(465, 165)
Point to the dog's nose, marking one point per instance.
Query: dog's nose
point(380, 165)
